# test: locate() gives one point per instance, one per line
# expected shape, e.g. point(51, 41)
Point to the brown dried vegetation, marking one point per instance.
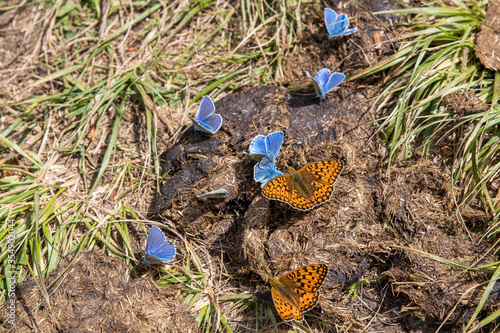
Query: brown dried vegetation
point(363, 233)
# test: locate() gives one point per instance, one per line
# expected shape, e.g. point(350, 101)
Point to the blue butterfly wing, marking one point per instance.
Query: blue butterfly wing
point(166, 252)
point(348, 32)
point(158, 247)
point(206, 121)
point(322, 79)
point(266, 170)
point(259, 173)
point(206, 108)
point(334, 80)
point(273, 143)
point(211, 124)
point(343, 23)
point(258, 145)
point(261, 169)
point(315, 84)
point(155, 239)
point(272, 173)
point(331, 22)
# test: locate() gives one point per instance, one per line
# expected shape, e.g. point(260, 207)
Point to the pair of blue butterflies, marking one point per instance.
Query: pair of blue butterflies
point(269, 146)
point(206, 120)
point(325, 81)
point(159, 250)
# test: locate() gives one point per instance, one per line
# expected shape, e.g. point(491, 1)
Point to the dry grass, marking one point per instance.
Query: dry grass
point(95, 97)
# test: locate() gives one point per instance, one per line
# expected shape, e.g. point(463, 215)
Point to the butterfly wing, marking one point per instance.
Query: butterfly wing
point(258, 145)
point(154, 240)
point(158, 249)
point(322, 193)
point(264, 171)
point(298, 286)
point(331, 22)
point(284, 189)
point(308, 301)
point(306, 282)
point(315, 84)
point(220, 193)
point(206, 121)
point(261, 145)
point(286, 310)
point(206, 108)
point(307, 278)
point(305, 301)
point(343, 23)
point(279, 188)
point(273, 143)
point(333, 81)
point(320, 177)
point(322, 79)
point(211, 124)
point(323, 172)
point(348, 32)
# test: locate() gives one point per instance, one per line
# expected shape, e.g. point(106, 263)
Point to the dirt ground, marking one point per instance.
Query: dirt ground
point(370, 234)
point(99, 294)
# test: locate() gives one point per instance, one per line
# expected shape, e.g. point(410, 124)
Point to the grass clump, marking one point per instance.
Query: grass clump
point(436, 59)
point(435, 65)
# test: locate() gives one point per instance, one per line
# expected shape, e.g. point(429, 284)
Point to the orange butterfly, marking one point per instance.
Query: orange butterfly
point(296, 291)
point(306, 188)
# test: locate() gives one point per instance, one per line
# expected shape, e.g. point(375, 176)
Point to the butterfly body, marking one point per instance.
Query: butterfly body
point(152, 260)
point(307, 187)
point(300, 184)
point(337, 25)
point(296, 291)
point(159, 251)
point(325, 81)
point(206, 119)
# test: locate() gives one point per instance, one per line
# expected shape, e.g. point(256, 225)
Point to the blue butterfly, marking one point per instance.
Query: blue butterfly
point(266, 170)
point(159, 251)
point(206, 120)
point(324, 82)
point(261, 145)
point(337, 24)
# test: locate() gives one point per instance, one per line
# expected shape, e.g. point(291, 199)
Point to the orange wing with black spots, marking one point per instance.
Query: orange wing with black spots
point(308, 278)
point(308, 301)
point(279, 188)
point(286, 310)
point(311, 186)
point(296, 291)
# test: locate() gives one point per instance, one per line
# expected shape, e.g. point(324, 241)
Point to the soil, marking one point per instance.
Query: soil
point(373, 234)
point(465, 102)
point(98, 293)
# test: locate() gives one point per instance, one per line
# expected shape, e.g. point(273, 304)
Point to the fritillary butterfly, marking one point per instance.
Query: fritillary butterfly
point(296, 291)
point(306, 188)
